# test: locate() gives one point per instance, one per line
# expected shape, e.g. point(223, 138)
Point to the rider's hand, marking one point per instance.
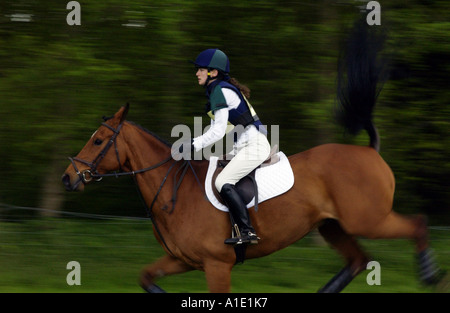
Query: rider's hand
point(183, 150)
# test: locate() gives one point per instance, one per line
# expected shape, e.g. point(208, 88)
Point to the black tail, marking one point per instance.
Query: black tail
point(360, 79)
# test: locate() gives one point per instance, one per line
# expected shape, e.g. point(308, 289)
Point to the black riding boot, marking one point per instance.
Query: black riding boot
point(239, 212)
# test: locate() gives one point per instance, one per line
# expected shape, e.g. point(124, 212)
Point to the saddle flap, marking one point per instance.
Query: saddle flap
point(245, 187)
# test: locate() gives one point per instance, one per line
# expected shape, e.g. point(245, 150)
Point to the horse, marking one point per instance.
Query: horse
point(345, 191)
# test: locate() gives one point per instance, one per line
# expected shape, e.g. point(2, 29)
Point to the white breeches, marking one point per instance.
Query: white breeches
point(250, 154)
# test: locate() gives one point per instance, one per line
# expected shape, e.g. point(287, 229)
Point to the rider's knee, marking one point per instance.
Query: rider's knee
point(219, 183)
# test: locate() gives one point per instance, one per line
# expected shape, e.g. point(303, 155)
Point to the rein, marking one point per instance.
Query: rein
point(88, 175)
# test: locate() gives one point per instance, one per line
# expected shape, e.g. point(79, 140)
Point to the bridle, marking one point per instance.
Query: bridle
point(90, 174)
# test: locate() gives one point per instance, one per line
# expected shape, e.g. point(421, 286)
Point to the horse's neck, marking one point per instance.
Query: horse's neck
point(144, 149)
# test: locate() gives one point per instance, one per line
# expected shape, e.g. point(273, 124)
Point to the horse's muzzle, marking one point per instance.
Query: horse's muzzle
point(67, 182)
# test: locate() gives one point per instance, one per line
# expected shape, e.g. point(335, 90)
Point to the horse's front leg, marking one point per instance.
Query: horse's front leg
point(166, 265)
point(218, 276)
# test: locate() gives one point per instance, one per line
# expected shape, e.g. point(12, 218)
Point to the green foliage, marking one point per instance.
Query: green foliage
point(56, 81)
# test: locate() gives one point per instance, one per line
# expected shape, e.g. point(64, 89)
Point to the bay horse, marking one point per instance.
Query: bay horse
point(343, 190)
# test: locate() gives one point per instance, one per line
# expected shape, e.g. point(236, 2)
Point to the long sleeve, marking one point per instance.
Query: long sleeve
point(215, 132)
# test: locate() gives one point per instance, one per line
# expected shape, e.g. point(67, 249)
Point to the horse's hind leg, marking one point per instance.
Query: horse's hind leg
point(166, 265)
point(395, 225)
point(414, 228)
point(351, 251)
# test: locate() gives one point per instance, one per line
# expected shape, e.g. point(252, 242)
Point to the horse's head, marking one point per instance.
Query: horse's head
point(103, 153)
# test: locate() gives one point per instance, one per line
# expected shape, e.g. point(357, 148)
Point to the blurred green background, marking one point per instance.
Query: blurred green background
point(57, 81)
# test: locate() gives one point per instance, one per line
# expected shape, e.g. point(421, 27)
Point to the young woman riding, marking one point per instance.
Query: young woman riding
point(227, 103)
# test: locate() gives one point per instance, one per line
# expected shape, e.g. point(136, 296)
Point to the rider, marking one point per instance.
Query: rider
point(227, 103)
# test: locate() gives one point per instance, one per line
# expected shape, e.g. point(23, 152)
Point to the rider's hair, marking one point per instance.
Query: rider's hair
point(244, 89)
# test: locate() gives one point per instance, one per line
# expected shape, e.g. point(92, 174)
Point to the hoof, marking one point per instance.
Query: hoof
point(429, 271)
point(154, 289)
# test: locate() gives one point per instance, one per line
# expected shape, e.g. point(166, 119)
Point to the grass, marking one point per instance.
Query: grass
point(34, 254)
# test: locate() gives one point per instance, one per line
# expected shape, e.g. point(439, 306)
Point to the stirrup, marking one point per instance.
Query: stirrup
point(233, 241)
point(253, 238)
point(249, 238)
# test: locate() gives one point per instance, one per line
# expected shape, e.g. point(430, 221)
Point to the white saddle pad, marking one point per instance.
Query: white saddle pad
point(272, 181)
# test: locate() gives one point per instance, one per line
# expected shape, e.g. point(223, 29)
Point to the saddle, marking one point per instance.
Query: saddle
point(247, 186)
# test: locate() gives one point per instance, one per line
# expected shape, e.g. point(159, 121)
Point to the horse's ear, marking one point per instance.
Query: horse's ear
point(121, 115)
point(125, 108)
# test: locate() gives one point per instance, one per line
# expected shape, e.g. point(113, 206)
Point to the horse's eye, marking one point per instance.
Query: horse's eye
point(98, 142)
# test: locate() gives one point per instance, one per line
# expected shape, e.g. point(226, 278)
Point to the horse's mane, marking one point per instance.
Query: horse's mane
point(164, 141)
